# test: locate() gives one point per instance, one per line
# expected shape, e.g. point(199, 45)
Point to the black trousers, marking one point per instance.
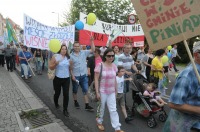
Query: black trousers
point(2, 61)
point(173, 62)
point(14, 61)
point(9, 63)
point(57, 84)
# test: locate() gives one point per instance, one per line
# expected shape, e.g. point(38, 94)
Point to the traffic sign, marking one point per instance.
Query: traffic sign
point(132, 19)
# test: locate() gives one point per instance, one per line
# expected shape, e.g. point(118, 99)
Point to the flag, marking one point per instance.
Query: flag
point(11, 33)
point(115, 33)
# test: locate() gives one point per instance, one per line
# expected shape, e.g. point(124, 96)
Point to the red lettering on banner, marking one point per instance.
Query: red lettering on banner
point(163, 17)
point(168, 2)
point(184, 9)
point(151, 11)
point(101, 39)
point(147, 2)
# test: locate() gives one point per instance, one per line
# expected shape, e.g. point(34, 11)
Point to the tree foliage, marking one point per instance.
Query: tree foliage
point(115, 11)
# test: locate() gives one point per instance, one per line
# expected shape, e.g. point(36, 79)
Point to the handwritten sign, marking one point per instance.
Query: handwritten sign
point(38, 35)
point(166, 22)
point(100, 29)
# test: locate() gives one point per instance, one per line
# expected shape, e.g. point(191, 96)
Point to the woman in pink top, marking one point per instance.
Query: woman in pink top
point(107, 90)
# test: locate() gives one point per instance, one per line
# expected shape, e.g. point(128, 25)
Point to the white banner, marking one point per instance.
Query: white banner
point(38, 35)
point(104, 27)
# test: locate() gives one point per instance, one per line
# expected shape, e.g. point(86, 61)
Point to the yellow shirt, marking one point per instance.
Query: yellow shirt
point(157, 64)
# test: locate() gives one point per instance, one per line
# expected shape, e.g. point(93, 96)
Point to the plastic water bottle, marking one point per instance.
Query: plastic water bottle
point(77, 81)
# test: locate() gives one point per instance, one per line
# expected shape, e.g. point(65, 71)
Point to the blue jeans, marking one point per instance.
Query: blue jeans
point(22, 72)
point(83, 82)
point(39, 66)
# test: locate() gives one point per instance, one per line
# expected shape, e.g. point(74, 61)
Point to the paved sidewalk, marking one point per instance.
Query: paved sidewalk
point(15, 96)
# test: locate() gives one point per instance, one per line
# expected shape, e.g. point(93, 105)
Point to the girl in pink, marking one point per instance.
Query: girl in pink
point(154, 97)
point(107, 89)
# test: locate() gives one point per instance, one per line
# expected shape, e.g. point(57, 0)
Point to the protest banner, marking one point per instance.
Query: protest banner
point(101, 30)
point(167, 22)
point(38, 35)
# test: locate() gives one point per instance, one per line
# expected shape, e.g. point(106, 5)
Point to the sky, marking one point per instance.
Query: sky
point(40, 10)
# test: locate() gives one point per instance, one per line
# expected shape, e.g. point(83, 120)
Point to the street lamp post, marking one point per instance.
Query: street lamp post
point(58, 16)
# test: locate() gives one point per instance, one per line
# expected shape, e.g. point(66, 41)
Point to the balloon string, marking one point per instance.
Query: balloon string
point(88, 33)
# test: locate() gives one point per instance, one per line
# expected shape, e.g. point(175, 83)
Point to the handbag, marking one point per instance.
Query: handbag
point(91, 90)
point(51, 74)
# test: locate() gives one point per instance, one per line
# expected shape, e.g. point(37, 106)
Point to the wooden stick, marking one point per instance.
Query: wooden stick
point(192, 60)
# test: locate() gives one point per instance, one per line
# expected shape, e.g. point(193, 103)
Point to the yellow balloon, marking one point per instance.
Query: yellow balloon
point(54, 45)
point(164, 59)
point(91, 18)
point(169, 47)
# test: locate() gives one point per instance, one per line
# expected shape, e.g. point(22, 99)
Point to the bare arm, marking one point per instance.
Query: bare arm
point(109, 44)
point(71, 70)
point(134, 68)
point(186, 108)
point(92, 44)
point(53, 63)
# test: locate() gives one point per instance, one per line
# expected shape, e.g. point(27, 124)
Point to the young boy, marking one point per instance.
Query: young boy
point(120, 95)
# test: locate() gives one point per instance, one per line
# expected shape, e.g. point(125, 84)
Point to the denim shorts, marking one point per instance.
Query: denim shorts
point(83, 82)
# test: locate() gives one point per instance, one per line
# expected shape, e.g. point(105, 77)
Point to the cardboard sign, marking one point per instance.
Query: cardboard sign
point(38, 35)
point(167, 22)
point(101, 31)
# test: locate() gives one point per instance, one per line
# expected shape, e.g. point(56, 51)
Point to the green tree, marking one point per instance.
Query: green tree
point(115, 11)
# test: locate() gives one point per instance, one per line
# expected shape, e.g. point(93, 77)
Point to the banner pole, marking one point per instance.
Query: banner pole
point(192, 60)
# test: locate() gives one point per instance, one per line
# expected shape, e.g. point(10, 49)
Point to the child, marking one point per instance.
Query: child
point(120, 96)
point(153, 94)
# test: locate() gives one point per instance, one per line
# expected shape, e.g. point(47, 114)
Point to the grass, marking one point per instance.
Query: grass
point(181, 64)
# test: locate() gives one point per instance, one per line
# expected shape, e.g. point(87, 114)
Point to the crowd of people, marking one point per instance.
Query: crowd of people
point(111, 69)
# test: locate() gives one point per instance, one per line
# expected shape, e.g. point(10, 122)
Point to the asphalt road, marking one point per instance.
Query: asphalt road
point(84, 121)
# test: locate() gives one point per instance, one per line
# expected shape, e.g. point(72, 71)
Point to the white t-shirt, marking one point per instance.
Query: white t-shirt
point(102, 49)
point(174, 52)
point(120, 84)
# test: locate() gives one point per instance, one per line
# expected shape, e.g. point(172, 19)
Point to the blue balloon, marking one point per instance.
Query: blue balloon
point(79, 25)
point(169, 55)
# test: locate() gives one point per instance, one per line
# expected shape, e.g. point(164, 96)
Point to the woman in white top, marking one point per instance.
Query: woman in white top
point(60, 62)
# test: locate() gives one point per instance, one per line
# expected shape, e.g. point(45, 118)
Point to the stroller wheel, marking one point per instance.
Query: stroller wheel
point(151, 122)
point(163, 117)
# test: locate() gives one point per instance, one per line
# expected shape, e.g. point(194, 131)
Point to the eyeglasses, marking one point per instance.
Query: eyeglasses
point(109, 56)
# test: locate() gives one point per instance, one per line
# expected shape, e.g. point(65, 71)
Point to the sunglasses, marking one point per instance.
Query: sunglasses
point(109, 56)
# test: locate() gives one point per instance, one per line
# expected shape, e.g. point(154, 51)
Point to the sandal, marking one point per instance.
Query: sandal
point(119, 131)
point(100, 127)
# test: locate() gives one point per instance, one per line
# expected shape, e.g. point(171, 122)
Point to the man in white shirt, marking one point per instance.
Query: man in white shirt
point(103, 49)
point(174, 54)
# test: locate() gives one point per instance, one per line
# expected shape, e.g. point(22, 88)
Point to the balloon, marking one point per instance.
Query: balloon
point(54, 45)
point(91, 18)
point(169, 55)
point(169, 47)
point(79, 25)
point(164, 59)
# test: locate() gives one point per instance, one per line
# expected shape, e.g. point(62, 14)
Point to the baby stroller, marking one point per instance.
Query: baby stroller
point(142, 104)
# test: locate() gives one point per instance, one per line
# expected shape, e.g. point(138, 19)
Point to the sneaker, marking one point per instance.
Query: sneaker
point(128, 119)
point(169, 81)
point(30, 76)
point(66, 113)
point(22, 76)
point(89, 108)
point(166, 88)
point(76, 104)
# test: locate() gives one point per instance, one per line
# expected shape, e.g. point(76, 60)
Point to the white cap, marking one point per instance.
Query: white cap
point(196, 46)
